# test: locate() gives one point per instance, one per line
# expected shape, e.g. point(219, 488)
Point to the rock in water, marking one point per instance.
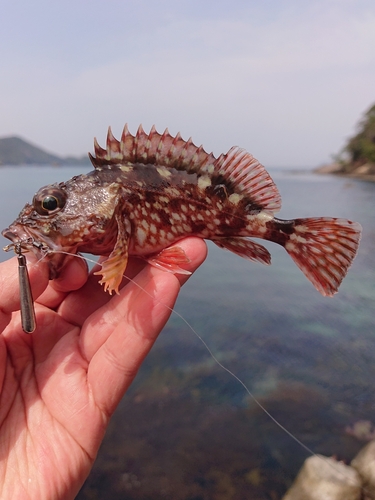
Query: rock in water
point(322, 478)
point(364, 463)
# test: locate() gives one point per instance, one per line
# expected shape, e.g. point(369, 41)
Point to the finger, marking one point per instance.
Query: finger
point(118, 338)
point(79, 305)
point(196, 250)
point(126, 332)
point(9, 285)
point(72, 277)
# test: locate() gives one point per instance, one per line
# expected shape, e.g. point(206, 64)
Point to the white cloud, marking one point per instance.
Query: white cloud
point(287, 81)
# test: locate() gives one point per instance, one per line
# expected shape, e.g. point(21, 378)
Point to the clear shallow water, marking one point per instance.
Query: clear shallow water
point(187, 429)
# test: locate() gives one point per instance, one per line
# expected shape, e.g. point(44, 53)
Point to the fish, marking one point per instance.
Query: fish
point(148, 191)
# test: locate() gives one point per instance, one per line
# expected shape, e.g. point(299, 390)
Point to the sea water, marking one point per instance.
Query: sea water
point(186, 429)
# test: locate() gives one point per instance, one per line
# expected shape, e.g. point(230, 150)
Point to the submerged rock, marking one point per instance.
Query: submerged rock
point(322, 478)
point(364, 463)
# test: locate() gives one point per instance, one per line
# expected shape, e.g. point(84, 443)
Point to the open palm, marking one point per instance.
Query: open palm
point(60, 385)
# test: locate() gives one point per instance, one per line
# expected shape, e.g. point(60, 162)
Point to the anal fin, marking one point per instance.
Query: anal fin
point(245, 248)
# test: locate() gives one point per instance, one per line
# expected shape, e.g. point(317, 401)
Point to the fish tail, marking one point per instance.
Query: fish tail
point(322, 247)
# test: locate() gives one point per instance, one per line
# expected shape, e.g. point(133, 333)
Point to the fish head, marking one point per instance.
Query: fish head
point(66, 218)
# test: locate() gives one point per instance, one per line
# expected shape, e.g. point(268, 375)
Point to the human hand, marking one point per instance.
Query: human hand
point(60, 385)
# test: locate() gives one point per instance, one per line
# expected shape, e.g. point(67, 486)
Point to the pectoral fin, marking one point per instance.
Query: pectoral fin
point(113, 268)
point(170, 260)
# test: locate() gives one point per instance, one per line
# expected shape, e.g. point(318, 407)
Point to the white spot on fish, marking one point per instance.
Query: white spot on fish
point(235, 198)
point(153, 228)
point(126, 168)
point(303, 229)
point(204, 181)
point(164, 172)
point(141, 236)
point(290, 246)
point(298, 238)
point(263, 216)
point(315, 250)
point(154, 216)
point(172, 191)
point(176, 216)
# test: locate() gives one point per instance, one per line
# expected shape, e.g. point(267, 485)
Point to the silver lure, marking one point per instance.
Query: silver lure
point(26, 298)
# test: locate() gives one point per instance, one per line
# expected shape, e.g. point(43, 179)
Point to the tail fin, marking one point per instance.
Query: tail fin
point(324, 248)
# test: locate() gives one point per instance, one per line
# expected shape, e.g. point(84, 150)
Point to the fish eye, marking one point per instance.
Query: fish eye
point(48, 201)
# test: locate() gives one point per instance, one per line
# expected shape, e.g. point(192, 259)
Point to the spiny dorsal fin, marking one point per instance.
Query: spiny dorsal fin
point(159, 149)
point(238, 167)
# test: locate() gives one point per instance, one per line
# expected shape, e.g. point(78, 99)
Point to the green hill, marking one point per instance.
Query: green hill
point(359, 152)
point(357, 158)
point(16, 151)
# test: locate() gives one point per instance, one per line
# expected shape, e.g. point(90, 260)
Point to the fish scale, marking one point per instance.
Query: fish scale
point(148, 191)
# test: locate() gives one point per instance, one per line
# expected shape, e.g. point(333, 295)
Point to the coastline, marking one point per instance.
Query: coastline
point(362, 173)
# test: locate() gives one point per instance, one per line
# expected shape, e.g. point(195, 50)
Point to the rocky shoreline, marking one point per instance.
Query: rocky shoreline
point(364, 172)
point(325, 478)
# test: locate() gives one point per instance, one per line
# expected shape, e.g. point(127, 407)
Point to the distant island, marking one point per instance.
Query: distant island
point(357, 158)
point(16, 151)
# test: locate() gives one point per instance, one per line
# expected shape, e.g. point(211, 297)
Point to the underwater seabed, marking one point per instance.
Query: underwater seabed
point(187, 429)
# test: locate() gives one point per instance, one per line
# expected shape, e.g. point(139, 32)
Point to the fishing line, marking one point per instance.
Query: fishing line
point(223, 367)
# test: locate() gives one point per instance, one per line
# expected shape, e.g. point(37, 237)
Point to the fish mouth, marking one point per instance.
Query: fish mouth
point(24, 241)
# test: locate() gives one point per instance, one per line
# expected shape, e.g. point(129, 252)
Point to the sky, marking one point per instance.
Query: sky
point(288, 80)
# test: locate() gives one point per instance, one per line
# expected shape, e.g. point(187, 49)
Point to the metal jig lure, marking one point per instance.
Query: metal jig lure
point(26, 298)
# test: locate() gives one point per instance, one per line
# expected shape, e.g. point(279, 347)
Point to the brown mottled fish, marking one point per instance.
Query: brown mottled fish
point(150, 190)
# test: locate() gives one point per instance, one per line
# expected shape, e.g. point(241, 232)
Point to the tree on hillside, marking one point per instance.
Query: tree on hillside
point(360, 149)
